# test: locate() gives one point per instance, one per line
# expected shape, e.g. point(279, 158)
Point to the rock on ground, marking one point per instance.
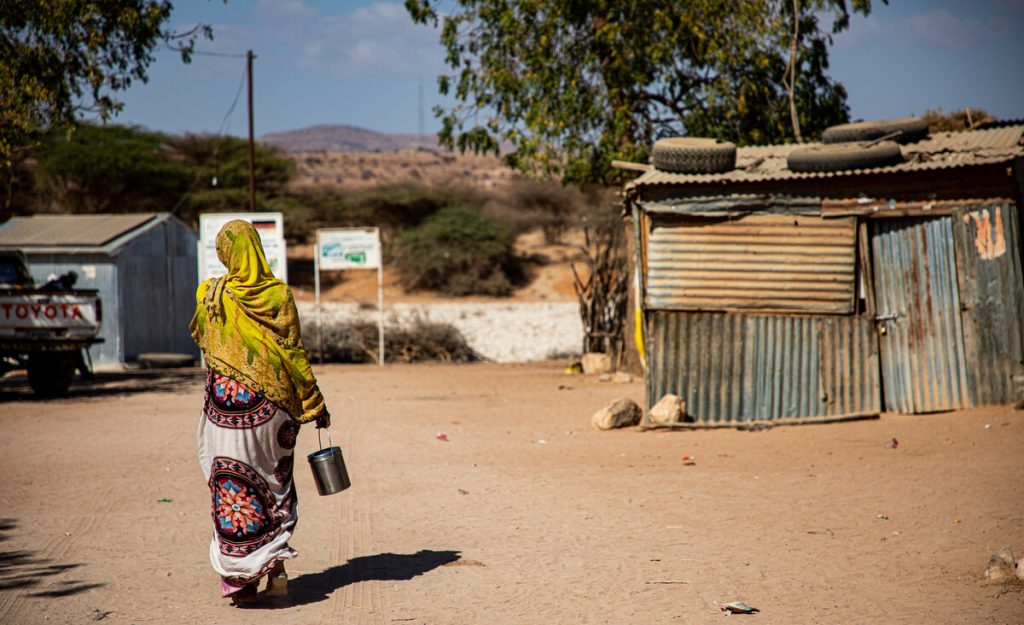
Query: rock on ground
point(1001, 566)
point(595, 363)
point(622, 412)
point(669, 409)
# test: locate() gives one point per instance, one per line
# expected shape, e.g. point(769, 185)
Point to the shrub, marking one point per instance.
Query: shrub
point(420, 341)
point(526, 205)
point(458, 251)
point(393, 208)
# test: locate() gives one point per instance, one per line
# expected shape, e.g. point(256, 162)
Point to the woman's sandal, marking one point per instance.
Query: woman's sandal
point(277, 582)
point(247, 596)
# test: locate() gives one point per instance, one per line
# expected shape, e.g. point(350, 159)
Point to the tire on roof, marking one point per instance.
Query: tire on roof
point(837, 157)
point(693, 155)
point(911, 129)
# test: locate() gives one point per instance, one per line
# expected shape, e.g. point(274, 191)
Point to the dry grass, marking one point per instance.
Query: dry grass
point(419, 341)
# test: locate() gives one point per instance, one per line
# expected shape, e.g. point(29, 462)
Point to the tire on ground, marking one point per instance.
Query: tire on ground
point(160, 360)
point(911, 129)
point(825, 158)
point(50, 373)
point(693, 155)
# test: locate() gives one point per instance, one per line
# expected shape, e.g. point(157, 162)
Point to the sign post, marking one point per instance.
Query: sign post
point(350, 248)
point(270, 227)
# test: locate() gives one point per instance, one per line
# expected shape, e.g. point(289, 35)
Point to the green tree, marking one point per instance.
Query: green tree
point(458, 251)
point(573, 85)
point(113, 168)
point(101, 169)
point(63, 58)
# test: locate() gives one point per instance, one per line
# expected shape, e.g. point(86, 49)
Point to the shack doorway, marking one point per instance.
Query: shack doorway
point(918, 315)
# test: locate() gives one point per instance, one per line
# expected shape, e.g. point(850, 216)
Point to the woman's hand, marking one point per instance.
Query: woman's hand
point(323, 421)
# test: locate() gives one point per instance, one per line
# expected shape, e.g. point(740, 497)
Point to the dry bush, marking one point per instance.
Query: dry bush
point(525, 205)
point(418, 341)
point(955, 121)
point(602, 289)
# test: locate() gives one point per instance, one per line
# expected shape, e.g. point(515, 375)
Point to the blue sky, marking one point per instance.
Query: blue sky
point(362, 63)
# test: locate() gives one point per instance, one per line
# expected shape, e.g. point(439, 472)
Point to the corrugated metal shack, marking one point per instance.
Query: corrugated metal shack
point(144, 266)
point(769, 294)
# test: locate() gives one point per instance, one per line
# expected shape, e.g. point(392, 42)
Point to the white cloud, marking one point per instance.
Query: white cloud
point(378, 40)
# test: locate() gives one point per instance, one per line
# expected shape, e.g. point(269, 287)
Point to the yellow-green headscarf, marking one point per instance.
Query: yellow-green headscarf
point(248, 328)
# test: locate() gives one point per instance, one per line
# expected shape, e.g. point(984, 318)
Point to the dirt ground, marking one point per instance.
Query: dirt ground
point(525, 514)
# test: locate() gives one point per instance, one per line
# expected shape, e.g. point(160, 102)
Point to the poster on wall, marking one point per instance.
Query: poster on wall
point(270, 227)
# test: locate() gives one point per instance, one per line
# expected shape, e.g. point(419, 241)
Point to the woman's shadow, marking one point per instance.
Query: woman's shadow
point(315, 587)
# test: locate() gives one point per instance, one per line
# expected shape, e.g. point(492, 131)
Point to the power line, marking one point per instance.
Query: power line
point(231, 109)
point(237, 55)
point(233, 55)
point(224, 124)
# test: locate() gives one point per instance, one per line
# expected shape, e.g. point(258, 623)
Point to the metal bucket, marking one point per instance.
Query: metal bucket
point(329, 471)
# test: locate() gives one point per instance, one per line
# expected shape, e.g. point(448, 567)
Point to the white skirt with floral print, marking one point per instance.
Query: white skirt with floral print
point(246, 452)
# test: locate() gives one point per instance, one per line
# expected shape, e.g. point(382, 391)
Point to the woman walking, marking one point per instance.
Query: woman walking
point(259, 389)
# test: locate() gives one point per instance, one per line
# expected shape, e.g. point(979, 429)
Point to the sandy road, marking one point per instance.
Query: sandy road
point(525, 515)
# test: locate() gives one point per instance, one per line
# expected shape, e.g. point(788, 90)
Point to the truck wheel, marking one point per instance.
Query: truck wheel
point(50, 373)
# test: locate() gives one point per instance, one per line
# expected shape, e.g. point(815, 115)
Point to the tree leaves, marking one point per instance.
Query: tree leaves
point(63, 58)
point(573, 85)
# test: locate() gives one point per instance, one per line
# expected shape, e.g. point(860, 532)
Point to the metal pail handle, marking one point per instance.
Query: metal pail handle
point(330, 443)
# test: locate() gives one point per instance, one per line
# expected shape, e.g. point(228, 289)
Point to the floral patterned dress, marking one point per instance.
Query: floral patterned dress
point(246, 452)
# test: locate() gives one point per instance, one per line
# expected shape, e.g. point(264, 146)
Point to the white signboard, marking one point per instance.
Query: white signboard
point(270, 227)
point(349, 248)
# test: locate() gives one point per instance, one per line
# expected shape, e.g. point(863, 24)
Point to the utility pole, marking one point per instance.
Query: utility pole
point(249, 56)
point(420, 128)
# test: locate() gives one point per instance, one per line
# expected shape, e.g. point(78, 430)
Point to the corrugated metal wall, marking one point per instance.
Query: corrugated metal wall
point(739, 367)
point(923, 363)
point(158, 280)
point(94, 272)
point(781, 263)
point(988, 241)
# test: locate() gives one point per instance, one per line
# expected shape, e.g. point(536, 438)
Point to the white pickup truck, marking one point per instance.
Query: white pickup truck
point(45, 329)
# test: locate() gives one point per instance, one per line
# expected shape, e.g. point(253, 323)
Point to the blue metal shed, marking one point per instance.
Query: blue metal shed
point(143, 265)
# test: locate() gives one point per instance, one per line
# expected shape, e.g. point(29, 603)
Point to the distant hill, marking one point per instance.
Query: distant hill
point(344, 138)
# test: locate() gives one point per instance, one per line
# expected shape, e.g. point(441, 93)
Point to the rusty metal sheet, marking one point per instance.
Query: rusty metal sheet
point(849, 365)
point(888, 209)
point(758, 262)
point(740, 367)
point(922, 349)
point(991, 285)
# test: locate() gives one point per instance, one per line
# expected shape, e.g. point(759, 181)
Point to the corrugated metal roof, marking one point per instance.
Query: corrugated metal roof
point(69, 230)
point(945, 150)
